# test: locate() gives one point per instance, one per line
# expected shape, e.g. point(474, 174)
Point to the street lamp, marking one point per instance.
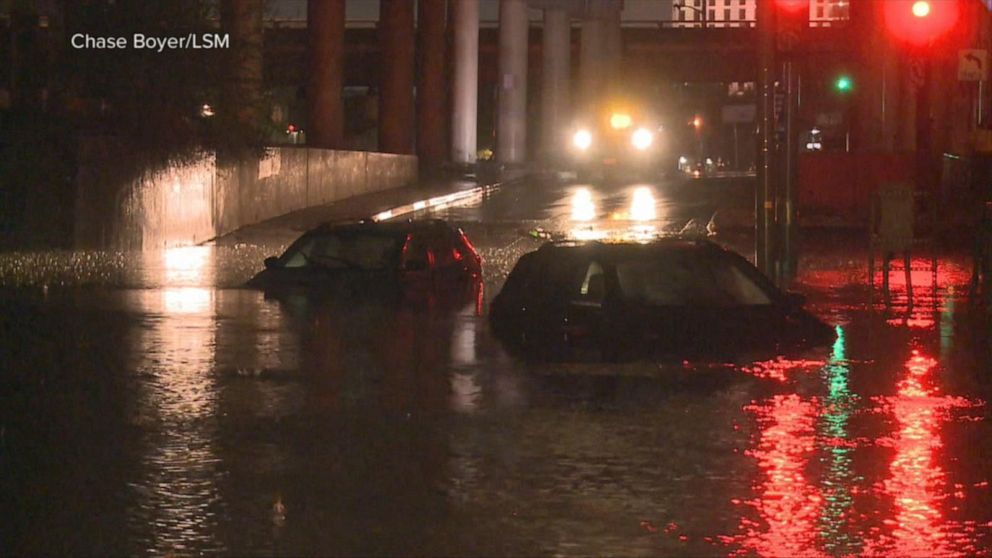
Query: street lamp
point(697, 123)
point(700, 11)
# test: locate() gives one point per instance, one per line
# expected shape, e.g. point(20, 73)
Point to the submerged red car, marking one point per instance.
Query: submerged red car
point(393, 257)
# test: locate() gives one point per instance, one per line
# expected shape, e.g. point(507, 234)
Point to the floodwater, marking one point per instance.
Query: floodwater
point(149, 406)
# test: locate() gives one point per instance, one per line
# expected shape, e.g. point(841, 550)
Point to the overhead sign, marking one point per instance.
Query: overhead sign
point(973, 65)
point(739, 114)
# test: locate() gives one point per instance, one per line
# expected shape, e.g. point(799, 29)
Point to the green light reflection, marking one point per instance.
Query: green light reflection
point(833, 436)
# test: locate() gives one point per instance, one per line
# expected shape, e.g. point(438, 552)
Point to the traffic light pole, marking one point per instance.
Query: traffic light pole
point(924, 165)
point(764, 194)
point(790, 171)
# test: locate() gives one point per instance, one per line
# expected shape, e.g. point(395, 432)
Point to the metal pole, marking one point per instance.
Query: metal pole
point(788, 211)
point(465, 91)
point(981, 101)
point(923, 132)
point(765, 186)
point(511, 128)
point(737, 159)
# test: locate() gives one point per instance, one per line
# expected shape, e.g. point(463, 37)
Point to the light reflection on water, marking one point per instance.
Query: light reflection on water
point(788, 505)
point(918, 485)
point(421, 430)
point(176, 500)
point(819, 494)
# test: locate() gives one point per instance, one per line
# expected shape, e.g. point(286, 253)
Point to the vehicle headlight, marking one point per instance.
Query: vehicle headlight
point(641, 139)
point(582, 139)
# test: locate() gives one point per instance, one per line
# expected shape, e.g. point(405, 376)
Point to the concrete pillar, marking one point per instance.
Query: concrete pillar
point(511, 120)
point(397, 40)
point(431, 43)
point(590, 53)
point(555, 93)
point(612, 56)
point(243, 20)
point(325, 41)
point(465, 90)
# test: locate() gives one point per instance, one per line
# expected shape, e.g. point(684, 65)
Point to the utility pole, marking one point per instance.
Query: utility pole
point(764, 198)
point(792, 21)
point(790, 173)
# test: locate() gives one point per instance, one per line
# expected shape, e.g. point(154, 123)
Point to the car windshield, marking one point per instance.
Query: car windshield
point(357, 250)
point(681, 278)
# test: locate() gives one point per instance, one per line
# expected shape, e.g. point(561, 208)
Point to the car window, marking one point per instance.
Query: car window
point(461, 246)
point(593, 287)
point(343, 250)
point(682, 278)
point(417, 251)
point(522, 276)
point(562, 277)
point(443, 248)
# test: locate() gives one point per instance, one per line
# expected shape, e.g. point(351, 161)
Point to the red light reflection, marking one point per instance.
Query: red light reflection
point(801, 509)
point(777, 368)
point(788, 503)
point(917, 482)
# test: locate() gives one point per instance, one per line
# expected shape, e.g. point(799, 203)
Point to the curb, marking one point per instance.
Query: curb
point(437, 202)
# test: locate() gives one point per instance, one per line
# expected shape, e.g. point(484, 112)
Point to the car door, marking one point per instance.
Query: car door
point(448, 268)
point(417, 262)
point(584, 313)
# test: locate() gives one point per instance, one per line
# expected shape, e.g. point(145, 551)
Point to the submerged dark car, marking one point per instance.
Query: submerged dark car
point(666, 298)
point(380, 259)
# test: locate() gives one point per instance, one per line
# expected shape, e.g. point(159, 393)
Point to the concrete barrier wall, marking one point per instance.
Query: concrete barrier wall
point(205, 198)
point(167, 208)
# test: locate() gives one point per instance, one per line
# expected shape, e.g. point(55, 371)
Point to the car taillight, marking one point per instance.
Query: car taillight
point(468, 244)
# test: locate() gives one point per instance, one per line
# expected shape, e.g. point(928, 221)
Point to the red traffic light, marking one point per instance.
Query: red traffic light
point(919, 22)
point(793, 7)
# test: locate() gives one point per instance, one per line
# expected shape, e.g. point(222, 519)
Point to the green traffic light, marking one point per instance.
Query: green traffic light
point(844, 84)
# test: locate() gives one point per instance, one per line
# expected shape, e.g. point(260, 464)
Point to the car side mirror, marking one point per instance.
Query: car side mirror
point(271, 262)
point(415, 265)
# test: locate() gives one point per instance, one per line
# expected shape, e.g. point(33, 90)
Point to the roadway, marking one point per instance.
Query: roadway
point(151, 406)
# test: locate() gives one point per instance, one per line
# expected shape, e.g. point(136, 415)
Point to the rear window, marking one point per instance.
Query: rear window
point(683, 278)
point(363, 250)
point(520, 278)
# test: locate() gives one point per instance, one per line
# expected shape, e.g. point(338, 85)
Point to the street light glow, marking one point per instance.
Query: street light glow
point(921, 8)
point(697, 122)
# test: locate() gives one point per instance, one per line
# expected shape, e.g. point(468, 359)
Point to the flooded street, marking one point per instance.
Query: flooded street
point(151, 406)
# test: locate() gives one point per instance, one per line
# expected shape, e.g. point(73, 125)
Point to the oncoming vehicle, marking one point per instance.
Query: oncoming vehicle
point(374, 258)
point(666, 298)
point(618, 139)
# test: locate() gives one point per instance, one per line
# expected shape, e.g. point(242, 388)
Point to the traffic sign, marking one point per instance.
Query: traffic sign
point(973, 65)
point(739, 114)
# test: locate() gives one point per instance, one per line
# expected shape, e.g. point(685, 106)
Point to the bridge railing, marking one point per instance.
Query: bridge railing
point(722, 23)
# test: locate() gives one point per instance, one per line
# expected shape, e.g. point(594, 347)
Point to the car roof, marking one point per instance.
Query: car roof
point(628, 247)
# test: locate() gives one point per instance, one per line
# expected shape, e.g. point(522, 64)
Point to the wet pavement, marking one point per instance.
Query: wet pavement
point(150, 406)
